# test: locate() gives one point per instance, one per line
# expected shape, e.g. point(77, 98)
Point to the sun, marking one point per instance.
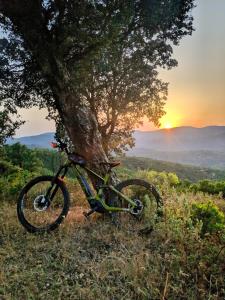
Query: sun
point(168, 125)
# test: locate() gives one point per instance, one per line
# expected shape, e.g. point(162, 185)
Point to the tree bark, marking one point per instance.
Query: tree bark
point(82, 128)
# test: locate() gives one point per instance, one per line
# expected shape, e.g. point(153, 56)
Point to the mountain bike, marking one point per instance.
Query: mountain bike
point(44, 202)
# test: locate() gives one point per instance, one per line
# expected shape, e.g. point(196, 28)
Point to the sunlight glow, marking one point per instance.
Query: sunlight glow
point(168, 125)
point(171, 119)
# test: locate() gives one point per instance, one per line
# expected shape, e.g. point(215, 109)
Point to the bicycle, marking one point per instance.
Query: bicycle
point(44, 202)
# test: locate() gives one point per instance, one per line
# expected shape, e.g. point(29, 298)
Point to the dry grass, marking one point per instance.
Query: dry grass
point(95, 260)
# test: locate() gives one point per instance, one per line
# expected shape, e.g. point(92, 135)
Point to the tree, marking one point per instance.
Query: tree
point(121, 88)
point(23, 157)
point(50, 46)
point(8, 126)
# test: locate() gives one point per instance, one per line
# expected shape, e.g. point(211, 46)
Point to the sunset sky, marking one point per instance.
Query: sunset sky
point(197, 85)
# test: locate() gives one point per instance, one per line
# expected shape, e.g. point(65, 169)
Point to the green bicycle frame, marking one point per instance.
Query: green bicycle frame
point(99, 196)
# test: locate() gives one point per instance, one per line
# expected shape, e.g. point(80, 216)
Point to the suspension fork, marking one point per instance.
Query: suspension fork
point(65, 170)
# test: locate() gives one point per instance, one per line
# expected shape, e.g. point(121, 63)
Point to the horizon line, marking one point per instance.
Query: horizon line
point(139, 130)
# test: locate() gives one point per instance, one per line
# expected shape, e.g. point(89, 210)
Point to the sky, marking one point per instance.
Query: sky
point(196, 87)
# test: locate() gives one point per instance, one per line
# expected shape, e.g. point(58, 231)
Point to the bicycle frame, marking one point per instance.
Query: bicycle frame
point(89, 192)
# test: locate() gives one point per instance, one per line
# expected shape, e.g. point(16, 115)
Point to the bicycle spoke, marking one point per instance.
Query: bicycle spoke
point(147, 204)
point(41, 214)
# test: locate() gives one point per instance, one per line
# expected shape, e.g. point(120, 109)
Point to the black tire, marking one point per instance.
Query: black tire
point(138, 184)
point(61, 212)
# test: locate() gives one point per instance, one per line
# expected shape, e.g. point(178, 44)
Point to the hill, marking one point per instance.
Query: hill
point(188, 172)
point(200, 158)
point(182, 139)
point(203, 147)
point(35, 141)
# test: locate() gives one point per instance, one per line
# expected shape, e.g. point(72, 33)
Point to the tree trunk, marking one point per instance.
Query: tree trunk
point(82, 128)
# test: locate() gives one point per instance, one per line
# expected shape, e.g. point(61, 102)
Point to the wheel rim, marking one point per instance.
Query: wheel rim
point(37, 208)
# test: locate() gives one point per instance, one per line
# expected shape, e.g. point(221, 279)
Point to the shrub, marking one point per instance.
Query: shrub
point(209, 215)
point(210, 187)
point(160, 179)
point(12, 180)
point(6, 168)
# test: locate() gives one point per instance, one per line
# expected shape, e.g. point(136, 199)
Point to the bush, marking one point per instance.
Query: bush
point(209, 215)
point(160, 179)
point(6, 168)
point(210, 187)
point(12, 180)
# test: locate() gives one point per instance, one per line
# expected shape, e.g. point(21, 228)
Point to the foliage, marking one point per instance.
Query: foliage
point(122, 87)
point(184, 172)
point(91, 59)
point(13, 181)
point(6, 168)
point(49, 158)
point(160, 179)
point(210, 187)
point(23, 157)
point(19, 161)
point(18, 165)
point(209, 215)
point(9, 121)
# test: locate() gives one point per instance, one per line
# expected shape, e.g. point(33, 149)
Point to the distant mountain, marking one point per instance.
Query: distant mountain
point(203, 147)
point(34, 141)
point(182, 139)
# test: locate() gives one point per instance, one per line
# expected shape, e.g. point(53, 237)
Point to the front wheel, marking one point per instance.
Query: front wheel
point(148, 203)
point(43, 204)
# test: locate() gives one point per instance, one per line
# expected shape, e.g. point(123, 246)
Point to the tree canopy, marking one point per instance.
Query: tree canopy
point(8, 125)
point(93, 64)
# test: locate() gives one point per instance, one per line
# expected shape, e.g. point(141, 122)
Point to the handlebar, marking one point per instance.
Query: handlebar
point(73, 157)
point(62, 146)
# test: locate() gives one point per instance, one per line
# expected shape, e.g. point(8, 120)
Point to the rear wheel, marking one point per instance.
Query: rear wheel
point(148, 200)
point(42, 204)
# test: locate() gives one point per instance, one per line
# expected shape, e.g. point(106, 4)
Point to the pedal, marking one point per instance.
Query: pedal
point(90, 212)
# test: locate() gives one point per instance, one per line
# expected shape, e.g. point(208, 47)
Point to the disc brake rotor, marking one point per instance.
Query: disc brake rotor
point(40, 203)
point(137, 210)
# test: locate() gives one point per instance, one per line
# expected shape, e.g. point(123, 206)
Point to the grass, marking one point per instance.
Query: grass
point(96, 260)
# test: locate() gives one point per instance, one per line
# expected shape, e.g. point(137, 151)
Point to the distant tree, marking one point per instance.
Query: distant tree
point(50, 46)
point(51, 159)
point(23, 157)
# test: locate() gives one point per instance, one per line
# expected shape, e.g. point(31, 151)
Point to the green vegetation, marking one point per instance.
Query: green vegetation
point(18, 164)
point(184, 172)
point(182, 258)
point(209, 215)
point(210, 187)
point(93, 259)
point(23, 157)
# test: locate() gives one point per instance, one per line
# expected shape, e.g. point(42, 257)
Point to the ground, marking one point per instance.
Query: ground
point(97, 260)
